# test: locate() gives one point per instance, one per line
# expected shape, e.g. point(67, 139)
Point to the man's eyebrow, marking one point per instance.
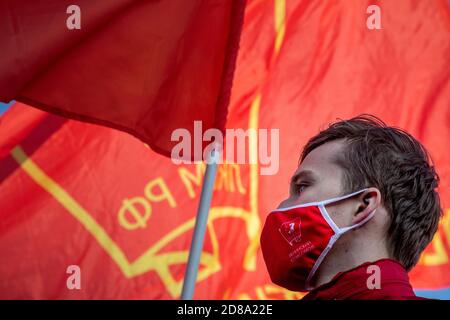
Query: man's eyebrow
point(304, 174)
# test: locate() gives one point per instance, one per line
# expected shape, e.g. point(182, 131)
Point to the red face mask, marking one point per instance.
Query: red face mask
point(295, 240)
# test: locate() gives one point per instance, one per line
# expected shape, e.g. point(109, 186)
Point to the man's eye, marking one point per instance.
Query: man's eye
point(299, 188)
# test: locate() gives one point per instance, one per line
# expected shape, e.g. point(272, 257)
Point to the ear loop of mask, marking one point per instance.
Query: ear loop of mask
point(327, 217)
point(319, 203)
point(337, 231)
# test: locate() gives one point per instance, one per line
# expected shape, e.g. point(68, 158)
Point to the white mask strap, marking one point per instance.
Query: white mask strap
point(319, 203)
point(330, 221)
point(345, 229)
point(328, 201)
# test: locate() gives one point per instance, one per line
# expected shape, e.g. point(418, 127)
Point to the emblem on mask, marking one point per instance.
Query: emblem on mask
point(291, 231)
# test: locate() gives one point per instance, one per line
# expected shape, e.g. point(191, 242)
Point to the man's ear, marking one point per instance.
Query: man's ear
point(368, 201)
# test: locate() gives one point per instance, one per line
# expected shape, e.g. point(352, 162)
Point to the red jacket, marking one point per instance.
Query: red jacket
point(352, 284)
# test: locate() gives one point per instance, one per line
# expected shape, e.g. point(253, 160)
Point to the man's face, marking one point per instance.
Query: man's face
point(319, 178)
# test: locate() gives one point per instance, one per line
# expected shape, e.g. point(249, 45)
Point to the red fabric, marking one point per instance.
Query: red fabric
point(352, 284)
point(291, 254)
point(145, 67)
point(328, 66)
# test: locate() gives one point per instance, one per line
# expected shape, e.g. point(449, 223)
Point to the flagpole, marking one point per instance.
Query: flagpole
point(200, 228)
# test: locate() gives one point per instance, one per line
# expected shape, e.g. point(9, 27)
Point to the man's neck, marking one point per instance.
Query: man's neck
point(346, 259)
point(353, 284)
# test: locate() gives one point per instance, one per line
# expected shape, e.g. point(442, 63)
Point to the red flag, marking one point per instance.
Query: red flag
point(300, 66)
point(145, 67)
point(69, 197)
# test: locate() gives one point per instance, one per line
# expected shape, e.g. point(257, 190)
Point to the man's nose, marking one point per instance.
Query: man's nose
point(284, 204)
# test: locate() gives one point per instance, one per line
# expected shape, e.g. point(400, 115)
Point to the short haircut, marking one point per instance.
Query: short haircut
point(392, 160)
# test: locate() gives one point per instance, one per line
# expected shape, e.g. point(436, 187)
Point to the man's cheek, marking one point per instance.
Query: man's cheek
point(340, 215)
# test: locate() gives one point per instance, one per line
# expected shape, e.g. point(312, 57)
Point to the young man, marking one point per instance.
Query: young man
point(361, 209)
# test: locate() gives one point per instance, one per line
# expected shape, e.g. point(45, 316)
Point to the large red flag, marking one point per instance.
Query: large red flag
point(70, 196)
point(145, 67)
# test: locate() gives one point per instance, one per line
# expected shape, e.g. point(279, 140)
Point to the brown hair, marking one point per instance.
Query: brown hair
point(393, 161)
